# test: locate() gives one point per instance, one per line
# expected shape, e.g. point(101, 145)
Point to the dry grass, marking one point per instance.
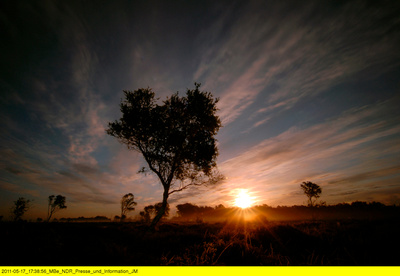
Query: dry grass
point(279, 243)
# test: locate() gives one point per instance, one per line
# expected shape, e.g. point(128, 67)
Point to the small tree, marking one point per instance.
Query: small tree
point(151, 211)
point(311, 190)
point(147, 213)
point(127, 205)
point(158, 207)
point(20, 207)
point(56, 203)
point(176, 138)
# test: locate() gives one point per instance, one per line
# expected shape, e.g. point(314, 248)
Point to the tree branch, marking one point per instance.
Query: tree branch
point(211, 180)
point(184, 187)
point(151, 166)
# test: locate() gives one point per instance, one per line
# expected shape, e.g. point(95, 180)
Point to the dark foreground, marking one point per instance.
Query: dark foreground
point(289, 243)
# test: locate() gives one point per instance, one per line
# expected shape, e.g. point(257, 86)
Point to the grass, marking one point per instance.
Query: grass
point(346, 242)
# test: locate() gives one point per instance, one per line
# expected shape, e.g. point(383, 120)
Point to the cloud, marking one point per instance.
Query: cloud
point(368, 175)
point(285, 54)
point(260, 58)
point(348, 148)
point(261, 122)
point(240, 95)
point(55, 109)
point(4, 185)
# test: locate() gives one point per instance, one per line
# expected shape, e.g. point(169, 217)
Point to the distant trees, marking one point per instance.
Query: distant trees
point(158, 209)
point(21, 206)
point(85, 219)
point(55, 203)
point(176, 138)
point(191, 211)
point(147, 213)
point(187, 210)
point(311, 190)
point(150, 211)
point(127, 205)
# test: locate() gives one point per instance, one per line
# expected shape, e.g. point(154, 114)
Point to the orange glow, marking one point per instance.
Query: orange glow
point(243, 199)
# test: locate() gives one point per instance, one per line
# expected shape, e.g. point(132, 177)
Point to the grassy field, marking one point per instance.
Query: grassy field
point(345, 242)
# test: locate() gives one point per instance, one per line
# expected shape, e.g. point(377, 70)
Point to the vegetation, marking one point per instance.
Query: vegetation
point(344, 242)
point(127, 205)
point(84, 219)
point(55, 203)
point(359, 233)
point(176, 138)
point(21, 206)
point(356, 210)
point(150, 211)
point(311, 190)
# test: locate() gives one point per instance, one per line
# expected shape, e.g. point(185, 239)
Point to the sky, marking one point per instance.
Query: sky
point(309, 91)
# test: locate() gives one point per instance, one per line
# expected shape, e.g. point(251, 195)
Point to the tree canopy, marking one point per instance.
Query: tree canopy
point(127, 204)
point(21, 206)
point(311, 190)
point(55, 203)
point(151, 211)
point(176, 138)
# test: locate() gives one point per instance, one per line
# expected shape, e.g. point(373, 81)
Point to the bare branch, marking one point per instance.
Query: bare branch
point(213, 179)
point(185, 187)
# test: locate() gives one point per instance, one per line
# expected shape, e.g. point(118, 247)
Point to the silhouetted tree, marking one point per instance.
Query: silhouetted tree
point(147, 213)
point(144, 216)
point(127, 205)
point(311, 190)
point(187, 210)
point(56, 203)
point(20, 207)
point(191, 211)
point(151, 211)
point(376, 205)
point(158, 207)
point(176, 138)
point(359, 204)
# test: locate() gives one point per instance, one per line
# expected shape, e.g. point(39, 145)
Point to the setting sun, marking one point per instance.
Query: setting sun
point(243, 200)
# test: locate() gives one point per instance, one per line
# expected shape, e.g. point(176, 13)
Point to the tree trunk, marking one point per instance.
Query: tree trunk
point(49, 214)
point(161, 213)
point(310, 203)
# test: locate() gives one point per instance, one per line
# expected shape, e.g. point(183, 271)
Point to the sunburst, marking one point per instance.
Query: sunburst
point(243, 199)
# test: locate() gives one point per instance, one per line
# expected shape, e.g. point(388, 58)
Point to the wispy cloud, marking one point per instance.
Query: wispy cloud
point(8, 186)
point(335, 151)
point(267, 61)
point(282, 56)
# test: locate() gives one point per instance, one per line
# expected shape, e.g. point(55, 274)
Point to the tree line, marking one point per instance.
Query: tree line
point(193, 212)
point(353, 210)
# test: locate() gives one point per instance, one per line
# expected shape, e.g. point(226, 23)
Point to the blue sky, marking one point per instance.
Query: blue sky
point(309, 91)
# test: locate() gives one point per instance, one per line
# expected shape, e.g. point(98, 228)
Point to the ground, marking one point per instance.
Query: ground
point(334, 242)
